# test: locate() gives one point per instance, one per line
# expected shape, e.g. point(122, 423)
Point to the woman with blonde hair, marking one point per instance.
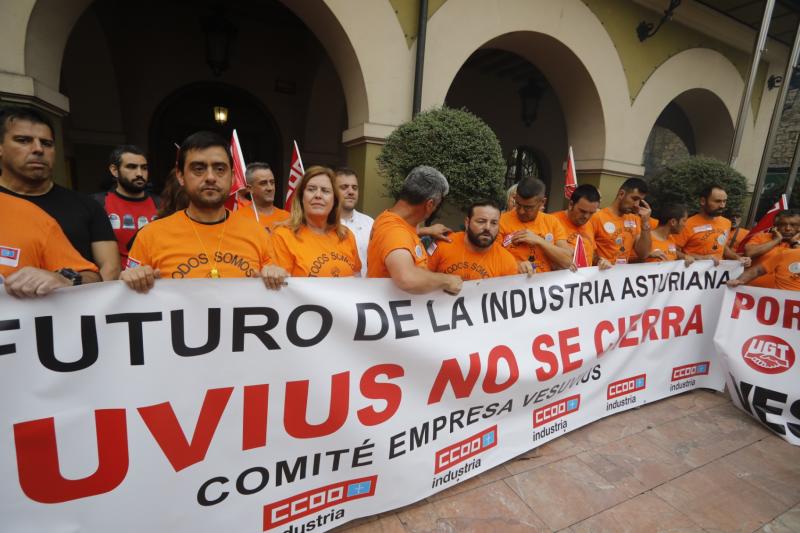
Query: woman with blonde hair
point(314, 242)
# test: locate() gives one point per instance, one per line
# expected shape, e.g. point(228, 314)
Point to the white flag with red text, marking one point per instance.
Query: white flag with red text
point(295, 175)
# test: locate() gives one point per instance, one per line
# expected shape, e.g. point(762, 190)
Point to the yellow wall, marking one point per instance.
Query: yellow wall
point(407, 12)
point(641, 59)
point(363, 159)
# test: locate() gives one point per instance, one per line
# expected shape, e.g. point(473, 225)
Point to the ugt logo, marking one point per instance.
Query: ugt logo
point(768, 354)
point(556, 410)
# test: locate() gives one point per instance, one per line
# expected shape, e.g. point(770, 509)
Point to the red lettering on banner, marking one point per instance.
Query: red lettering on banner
point(695, 322)
point(567, 349)
point(296, 408)
point(165, 428)
point(624, 341)
point(545, 356)
point(603, 327)
point(671, 320)
point(490, 384)
point(767, 310)
point(742, 302)
point(373, 390)
point(254, 418)
point(37, 459)
point(450, 372)
point(672, 325)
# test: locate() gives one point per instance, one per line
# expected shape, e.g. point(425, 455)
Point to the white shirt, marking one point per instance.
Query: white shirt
point(361, 226)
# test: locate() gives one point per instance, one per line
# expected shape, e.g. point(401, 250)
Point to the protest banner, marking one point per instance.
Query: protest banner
point(217, 405)
point(758, 336)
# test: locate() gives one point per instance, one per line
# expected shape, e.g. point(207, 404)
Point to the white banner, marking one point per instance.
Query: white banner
point(758, 336)
point(216, 405)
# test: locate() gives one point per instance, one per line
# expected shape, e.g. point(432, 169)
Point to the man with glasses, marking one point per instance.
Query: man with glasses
point(537, 240)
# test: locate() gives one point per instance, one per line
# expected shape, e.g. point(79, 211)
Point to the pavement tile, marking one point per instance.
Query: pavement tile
point(717, 500)
point(772, 464)
point(705, 436)
point(493, 507)
point(636, 462)
point(788, 522)
point(645, 512)
point(554, 450)
point(566, 491)
point(386, 524)
point(609, 429)
point(495, 474)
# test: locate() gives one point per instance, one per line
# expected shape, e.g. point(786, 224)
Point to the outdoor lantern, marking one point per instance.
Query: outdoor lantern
point(530, 94)
point(221, 114)
point(219, 35)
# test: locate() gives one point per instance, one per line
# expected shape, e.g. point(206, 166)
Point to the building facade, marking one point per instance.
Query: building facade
point(338, 77)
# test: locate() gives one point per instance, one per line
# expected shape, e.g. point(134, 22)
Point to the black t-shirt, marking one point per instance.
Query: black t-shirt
point(83, 220)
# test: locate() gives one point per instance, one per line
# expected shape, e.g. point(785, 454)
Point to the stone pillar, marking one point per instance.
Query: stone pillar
point(364, 144)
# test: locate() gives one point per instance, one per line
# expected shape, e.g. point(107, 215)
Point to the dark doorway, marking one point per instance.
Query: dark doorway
point(191, 109)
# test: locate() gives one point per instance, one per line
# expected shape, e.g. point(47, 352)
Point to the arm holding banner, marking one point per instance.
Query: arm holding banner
point(415, 280)
point(754, 250)
point(747, 276)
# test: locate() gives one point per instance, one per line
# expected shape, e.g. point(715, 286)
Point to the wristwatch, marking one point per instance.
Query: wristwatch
point(71, 275)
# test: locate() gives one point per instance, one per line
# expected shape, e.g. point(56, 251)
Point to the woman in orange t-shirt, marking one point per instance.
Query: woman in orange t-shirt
point(314, 242)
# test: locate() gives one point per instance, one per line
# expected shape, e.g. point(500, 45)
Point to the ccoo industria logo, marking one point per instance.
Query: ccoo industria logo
point(691, 370)
point(556, 410)
point(768, 354)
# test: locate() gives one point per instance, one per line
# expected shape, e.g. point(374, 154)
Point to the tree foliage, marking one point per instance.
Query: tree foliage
point(454, 141)
point(682, 182)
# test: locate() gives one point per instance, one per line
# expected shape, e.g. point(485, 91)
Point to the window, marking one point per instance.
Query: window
point(522, 163)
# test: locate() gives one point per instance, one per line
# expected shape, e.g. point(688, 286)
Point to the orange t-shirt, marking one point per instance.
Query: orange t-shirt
point(586, 232)
point(736, 236)
point(267, 221)
point(390, 232)
point(314, 255)
point(702, 236)
point(182, 248)
point(667, 246)
point(766, 280)
point(615, 236)
point(455, 258)
point(31, 237)
point(784, 267)
point(545, 226)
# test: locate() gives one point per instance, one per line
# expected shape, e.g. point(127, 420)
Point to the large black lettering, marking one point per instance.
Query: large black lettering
point(179, 333)
point(46, 349)
point(240, 315)
point(361, 326)
point(135, 337)
point(324, 329)
point(8, 325)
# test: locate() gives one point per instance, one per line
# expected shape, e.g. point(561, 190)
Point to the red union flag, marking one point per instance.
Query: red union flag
point(570, 180)
point(579, 257)
point(239, 181)
point(295, 175)
point(766, 222)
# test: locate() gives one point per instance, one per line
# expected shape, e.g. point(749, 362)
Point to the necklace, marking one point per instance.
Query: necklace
point(214, 271)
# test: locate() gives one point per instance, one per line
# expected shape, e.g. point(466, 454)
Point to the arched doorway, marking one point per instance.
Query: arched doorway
point(190, 109)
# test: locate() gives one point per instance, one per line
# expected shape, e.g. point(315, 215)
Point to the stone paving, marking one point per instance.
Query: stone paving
point(690, 463)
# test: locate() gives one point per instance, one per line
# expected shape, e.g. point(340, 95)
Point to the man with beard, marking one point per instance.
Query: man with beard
point(764, 246)
point(395, 249)
point(359, 223)
point(203, 240)
point(536, 240)
point(624, 226)
point(261, 186)
point(782, 265)
point(705, 235)
point(474, 253)
point(129, 206)
point(27, 153)
point(583, 204)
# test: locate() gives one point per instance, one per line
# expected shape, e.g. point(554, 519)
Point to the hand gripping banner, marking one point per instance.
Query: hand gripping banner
point(216, 405)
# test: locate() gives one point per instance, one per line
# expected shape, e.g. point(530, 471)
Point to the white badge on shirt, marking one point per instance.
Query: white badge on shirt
point(9, 256)
point(704, 227)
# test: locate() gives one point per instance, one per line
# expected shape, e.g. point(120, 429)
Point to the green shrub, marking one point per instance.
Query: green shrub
point(457, 143)
point(682, 182)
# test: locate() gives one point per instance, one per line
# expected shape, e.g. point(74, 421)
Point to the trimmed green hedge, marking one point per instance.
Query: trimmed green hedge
point(683, 181)
point(457, 143)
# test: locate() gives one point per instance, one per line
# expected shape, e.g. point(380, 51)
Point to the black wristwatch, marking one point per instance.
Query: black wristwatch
point(71, 275)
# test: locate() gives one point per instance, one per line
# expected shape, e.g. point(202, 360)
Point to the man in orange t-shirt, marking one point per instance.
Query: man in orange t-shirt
point(671, 221)
point(706, 233)
point(475, 253)
point(583, 204)
point(395, 250)
point(624, 226)
point(204, 240)
point(35, 255)
point(537, 240)
point(763, 246)
point(783, 267)
point(261, 186)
